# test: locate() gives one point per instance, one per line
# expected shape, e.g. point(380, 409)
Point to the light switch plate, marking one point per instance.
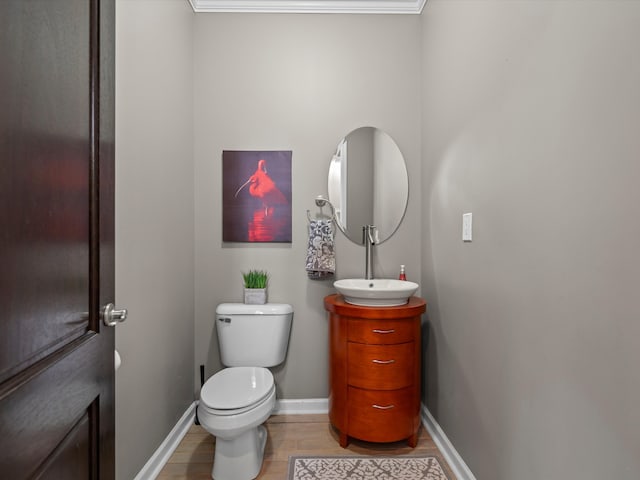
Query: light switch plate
point(467, 227)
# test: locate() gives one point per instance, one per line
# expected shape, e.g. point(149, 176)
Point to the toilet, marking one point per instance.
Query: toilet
point(236, 401)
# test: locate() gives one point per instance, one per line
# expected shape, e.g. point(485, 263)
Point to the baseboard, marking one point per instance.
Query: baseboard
point(321, 405)
point(460, 469)
point(154, 465)
point(301, 406)
point(451, 455)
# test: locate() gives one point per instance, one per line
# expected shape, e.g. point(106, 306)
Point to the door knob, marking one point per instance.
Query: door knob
point(111, 317)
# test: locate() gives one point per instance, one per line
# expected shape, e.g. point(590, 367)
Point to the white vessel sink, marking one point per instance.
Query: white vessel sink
point(379, 292)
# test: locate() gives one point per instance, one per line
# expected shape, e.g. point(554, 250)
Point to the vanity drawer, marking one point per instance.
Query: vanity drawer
point(380, 331)
point(380, 367)
point(381, 416)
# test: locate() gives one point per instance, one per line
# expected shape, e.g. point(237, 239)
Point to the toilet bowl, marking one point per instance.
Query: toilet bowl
point(234, 404)
point(237, 400)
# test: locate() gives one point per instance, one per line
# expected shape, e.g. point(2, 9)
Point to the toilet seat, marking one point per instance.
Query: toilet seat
point(235, 390)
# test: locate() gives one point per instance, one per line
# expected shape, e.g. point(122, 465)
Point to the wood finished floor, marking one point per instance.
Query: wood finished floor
point(288, 435)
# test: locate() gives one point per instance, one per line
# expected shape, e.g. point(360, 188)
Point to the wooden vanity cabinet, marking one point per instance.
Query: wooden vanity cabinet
point(374, 370)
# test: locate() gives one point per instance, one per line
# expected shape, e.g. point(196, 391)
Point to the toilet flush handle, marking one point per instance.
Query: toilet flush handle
point(111, 317)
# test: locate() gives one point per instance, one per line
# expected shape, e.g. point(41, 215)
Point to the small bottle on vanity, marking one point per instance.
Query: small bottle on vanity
point(402, 275)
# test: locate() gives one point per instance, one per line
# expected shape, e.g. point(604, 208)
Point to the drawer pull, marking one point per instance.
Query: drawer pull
point(383, 362)
point(376, 330)
point(383, 407)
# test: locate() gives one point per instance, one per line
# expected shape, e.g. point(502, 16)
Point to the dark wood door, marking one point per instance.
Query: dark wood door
point(56, 238)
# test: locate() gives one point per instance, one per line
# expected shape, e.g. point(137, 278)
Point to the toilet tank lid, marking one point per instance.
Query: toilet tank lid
point(247, 309)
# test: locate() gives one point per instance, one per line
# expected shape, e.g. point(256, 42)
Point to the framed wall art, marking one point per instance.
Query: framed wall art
point(256, 196)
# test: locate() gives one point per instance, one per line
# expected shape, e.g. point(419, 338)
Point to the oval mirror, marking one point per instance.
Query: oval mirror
point(368, 184)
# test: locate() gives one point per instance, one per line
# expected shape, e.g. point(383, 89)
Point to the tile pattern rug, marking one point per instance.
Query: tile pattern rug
point(365, 468)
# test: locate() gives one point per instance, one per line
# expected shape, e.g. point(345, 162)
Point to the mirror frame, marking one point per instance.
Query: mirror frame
point(380, 174)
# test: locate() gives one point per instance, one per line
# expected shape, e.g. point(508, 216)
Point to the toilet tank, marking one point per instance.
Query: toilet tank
point(253, 335)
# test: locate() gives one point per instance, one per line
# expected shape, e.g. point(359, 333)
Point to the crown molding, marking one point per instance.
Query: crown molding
point(309, 6)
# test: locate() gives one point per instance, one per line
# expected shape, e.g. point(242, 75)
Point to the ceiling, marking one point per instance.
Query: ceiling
point(309, 6)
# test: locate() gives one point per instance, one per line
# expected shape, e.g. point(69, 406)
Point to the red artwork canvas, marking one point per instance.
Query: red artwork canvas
point(256, 196)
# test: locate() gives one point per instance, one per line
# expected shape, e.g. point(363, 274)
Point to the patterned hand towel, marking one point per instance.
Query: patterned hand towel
point(321, 260)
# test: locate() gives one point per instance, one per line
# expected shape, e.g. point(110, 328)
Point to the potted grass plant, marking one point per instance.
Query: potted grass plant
point(255, 287)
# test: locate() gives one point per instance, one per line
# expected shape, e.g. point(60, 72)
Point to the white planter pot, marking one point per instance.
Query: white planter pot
point(255, 296)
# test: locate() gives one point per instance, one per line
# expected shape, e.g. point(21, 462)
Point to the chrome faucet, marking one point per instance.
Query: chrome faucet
point(369, 238)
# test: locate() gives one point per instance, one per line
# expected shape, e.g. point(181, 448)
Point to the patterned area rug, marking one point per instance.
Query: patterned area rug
point(365, 468)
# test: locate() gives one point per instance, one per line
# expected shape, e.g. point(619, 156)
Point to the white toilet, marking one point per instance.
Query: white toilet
point(236, 401)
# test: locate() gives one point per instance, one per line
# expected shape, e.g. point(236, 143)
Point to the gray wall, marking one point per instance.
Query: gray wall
point(531, 113)
point(260, 82)
point(524, 113)
point(300, 83)
point(154, 224)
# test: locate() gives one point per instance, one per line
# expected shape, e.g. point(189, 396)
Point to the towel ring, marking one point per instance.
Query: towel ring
point(321, 202)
